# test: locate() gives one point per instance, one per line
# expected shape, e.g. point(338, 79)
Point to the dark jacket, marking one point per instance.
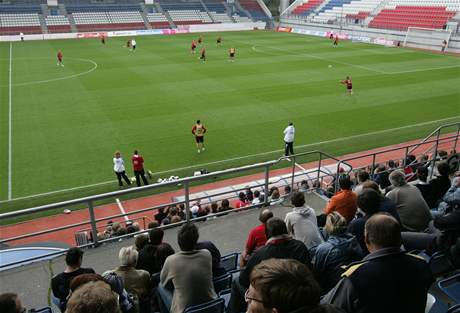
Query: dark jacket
point(439, 186)
point(387, 280)
point(331, 255)
point(217, 269)
point(283, 247)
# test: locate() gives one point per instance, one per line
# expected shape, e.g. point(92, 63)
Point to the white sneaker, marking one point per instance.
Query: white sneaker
point(199, 150)
point(203, 149)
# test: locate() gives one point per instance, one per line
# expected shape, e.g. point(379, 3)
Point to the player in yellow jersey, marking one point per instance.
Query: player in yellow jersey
point(231, 54)
point(198, 131)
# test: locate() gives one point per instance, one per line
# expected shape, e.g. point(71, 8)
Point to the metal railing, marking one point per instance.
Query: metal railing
point(321, 159)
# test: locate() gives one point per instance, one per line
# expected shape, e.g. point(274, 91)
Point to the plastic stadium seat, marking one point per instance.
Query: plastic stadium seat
point(222, 282)
point(451, 287)
point(454, 309)
point(440, 264)
point(430, 300)
point(225, 294)
point(229, 261)
point(42, 310)
point(214, 306)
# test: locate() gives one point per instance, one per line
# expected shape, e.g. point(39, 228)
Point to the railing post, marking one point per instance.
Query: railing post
point(187, 201)
point(456, 138)
point(267, 178)
point(93, 223)
point(373, 166)
point(293, 173)
point(435, 156)
point(319, 167)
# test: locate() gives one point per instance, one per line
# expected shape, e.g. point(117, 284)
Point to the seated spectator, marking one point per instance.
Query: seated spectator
point(256, 238)
point(368, 204)
point(301, 222)
point(386, 280)
point(283, 286)
point(141, 241)
point(341, 248)
point(125, 301)
point(61, 282)
point(214, 207)
point(256, 199)
point(136, 282)
point(410, 205)
point(275, 198)
point(386, 205)
point(422, 182)
point(344, 201)
point(82, 279)
point(304, 187)
point(184, 271)
point(249, 194)
point(439, 185)
point(225, 206)
point(94, 297)
point(147, 259)
point(217, 269)
point(451, 199)
point(363, 176)
point(195, 208)
point(162, 252)
point(279, 245)
point(242, 201)
point(10, 303)
point(381, 176)
point(152, 225)
point(160, 215)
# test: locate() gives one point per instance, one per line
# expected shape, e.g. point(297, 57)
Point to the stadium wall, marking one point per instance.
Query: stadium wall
point(183, 29)
point(355, 33)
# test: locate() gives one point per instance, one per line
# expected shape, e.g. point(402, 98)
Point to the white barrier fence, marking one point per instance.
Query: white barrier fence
point(183, 29)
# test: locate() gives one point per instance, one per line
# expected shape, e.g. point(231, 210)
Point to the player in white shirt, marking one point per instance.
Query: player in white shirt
point(289, 133)
point(133, 44)
point(119, 169)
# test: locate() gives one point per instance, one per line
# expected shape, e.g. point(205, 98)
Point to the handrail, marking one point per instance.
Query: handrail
point(437, 132)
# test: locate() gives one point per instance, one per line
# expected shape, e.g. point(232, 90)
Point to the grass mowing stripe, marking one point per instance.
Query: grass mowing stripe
point(251, 156)
point(10, 129)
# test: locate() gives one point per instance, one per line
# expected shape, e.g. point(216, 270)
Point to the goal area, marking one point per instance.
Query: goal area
point(427, 38)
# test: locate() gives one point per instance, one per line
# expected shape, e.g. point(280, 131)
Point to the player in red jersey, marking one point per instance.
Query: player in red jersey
point(231, 54)
point(336, 40)
point(331, 36)
point(198, 131)
point(219, 41)
point(349, 84)
point(128, 44)
point(193, 47)
point(103, 39)
point(203, 55)
point(59, 57)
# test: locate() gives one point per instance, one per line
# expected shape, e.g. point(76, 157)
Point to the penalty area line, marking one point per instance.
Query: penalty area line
point(335, 140)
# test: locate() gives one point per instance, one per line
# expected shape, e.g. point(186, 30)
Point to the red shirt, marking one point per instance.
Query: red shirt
point(138, 162)
point(59, 55)
point(256, 238)
point(193, 45)
point(198, 130)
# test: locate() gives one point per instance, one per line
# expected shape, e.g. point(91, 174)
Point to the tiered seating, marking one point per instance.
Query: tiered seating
point(218, 11)
point(157, 20)
point(58, 24)
point(403, 16)
point(221, 17)
point(20, 8)
point(338, 9)
point(254, 9)
point(15, 23)
point(126, 19)
point(169, 5)
point(241, 19)
point(187, 17)
point(71, 8)
point(306, 8)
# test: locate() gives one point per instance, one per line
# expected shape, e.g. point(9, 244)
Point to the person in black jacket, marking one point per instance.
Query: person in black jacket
point(279, 245)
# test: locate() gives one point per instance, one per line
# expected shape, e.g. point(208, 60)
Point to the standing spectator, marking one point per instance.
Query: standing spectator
point(184, 271)
point(301, 222)
point(119, 169)
point(147, 259)
point(279, 245)
point(344, 201)
point(136, 282)
point(341, 248)
point(388, 279)
point(410, 205)
point(10, 303)
point(94, 297)
point(256, 238)
point(284, 286)
point(138, 167)
point(60, 284)
point(198, 130)
point(289, 133)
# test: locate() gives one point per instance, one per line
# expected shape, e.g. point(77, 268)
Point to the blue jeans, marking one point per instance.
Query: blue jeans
point(237, 303)
point(164, 299)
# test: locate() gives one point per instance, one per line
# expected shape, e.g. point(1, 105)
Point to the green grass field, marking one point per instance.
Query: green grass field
point(67, 122)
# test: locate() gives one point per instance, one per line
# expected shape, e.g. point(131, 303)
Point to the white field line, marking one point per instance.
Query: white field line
point(248, 156)
point(10, 113)
point(360, 66)
point(122, 209)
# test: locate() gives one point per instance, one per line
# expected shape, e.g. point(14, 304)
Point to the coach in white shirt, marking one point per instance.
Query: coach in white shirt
point(119, 169)
point(289, 133)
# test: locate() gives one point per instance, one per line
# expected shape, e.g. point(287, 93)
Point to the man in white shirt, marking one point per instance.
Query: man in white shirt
point(289, 133)
point(133, 45)
point(119, 169)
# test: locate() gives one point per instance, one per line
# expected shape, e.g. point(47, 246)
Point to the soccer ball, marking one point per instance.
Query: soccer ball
point(133, 179)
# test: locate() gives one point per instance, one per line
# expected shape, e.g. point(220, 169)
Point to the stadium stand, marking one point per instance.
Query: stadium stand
point(338, 10)
point(306, 8)
point(157, 20)
point(14, 23)
point(58, 24)
point(400, 15)
point(189, 17)
point(253, 7)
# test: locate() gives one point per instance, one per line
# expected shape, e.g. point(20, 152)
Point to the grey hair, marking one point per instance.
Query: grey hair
point(128, 256)
point(397, 178)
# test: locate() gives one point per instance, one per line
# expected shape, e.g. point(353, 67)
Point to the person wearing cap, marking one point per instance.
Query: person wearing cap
point(289, 133)
point(60, 284)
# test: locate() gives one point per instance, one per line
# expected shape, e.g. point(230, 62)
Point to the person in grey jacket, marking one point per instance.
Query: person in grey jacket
point(301, 222)
point(341, 248)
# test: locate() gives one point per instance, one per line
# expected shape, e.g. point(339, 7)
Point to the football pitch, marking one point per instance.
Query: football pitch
point(59, 126)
